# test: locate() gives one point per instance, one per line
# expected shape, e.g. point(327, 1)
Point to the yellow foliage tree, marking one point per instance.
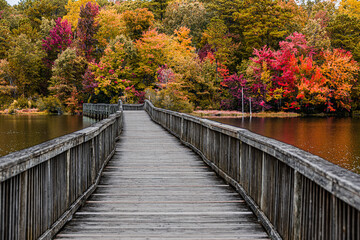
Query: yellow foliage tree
point(110, 26)
point(73, 11)
point(350, 7)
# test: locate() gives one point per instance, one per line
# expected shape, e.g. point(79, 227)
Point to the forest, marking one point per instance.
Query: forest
point(183, 55)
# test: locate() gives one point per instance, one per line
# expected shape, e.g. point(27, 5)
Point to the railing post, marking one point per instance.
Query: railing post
point(93, 158)
point(68, 167)
point(297, 205)
point(23, 204)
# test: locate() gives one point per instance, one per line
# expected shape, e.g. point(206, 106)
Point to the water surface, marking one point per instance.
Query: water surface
point(22, 131)
point(334, 139)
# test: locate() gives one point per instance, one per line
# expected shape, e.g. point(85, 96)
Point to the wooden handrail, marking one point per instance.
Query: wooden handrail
point(41, 187)
point(295, 194)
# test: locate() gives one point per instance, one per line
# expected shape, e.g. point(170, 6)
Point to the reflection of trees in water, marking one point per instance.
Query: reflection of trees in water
point(23, 131)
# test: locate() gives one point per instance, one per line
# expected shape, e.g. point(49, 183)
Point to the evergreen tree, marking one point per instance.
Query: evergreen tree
point(263, 22)
point(344, 33)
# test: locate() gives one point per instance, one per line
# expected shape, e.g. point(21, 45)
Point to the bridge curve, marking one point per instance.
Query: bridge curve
point(156, 188)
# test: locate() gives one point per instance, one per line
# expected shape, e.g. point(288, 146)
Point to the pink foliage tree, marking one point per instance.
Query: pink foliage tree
point(59, 39)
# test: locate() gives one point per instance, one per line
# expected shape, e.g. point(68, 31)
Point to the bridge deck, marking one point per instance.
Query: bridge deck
point(156, 188)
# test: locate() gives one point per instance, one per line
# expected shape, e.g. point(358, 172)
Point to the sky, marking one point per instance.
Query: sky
point(12, 2)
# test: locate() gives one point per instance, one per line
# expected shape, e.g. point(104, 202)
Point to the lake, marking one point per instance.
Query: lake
point(334, 139)
point(22, 131)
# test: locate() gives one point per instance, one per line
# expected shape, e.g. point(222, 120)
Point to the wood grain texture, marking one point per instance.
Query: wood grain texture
point(156, 188)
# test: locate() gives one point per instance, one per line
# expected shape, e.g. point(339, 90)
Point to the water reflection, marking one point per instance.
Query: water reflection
point(334, 139)
point(22, 131)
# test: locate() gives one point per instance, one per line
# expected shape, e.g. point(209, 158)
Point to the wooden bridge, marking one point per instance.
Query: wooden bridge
point(129, 177)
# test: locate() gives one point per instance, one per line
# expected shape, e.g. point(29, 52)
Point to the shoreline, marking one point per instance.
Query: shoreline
point(237, 114)
point(24, 112)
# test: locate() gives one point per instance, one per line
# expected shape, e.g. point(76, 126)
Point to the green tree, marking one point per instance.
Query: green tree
point(186, 13)
point(122, 6)
point(157, 7)
point(216, 35)
point(263, 22)
point(3, 5)
point(35, 10)
point(5, 36)
point(25, 62)
point(344, 33)
point(225, 10)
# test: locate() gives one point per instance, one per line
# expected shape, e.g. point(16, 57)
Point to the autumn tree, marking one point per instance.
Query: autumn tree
point(7, 85)
point(25, 28)
point(110, 26)
point(274, 78)
point(221, 44)
point(311, 90)
point(112, 75)
point(207, 88)
point(73, 9)
point(299, 14)
point(45, 27)
point(3, 5)
point(60, 38)
point(86, 30)
point(341, 71)
point(238, 89)
point(152, 52)
point(66, 82)
point(350, 7)
point(316, 35)
point(122, 6)
point(136, 22)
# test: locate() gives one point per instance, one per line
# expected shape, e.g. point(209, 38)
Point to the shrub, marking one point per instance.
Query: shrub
point(49, 104)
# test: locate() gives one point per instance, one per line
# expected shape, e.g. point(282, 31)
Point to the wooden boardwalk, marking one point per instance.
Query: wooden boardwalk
point(156, 188)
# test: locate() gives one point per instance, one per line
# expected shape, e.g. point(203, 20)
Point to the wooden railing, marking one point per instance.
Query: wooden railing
point(295, 194)
point(41, 187)
point(133, 107)
point(100, 110)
